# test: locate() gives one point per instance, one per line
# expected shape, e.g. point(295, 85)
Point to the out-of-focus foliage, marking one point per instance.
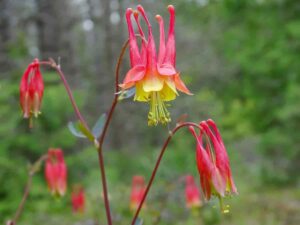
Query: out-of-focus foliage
point(258, 45)
point(240, 58)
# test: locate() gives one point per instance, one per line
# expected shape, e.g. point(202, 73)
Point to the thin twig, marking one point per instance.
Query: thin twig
point(102, 137)
point(33, 169)
point(115, 101)
point(52, 63)
point(162, 151)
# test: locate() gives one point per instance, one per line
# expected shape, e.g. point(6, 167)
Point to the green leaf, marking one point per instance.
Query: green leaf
point(126, 94)
point(74, 129)
point(79, 130)
point(138, 221)
point(86, 132)
point(98, 127)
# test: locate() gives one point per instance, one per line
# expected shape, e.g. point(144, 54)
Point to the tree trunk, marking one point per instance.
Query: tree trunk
point(5, 35)
point(54, 23)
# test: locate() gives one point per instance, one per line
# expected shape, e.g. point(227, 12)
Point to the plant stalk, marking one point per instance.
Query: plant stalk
point(158, 161)
point(33, 169)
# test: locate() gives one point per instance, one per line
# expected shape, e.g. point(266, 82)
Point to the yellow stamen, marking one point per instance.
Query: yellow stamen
point(224, 208)
point(158, 111)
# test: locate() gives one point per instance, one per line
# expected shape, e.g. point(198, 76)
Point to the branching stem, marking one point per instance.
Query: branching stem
point(106, 124)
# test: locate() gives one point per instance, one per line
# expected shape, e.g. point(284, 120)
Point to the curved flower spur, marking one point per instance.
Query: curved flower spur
point(154, 76)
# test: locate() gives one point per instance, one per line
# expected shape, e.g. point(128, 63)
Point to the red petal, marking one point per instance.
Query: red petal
point(222, 160)
point(144, 43)
point(162, 44)
point(135, 57)
point(133, 75)
point(151, 50)
point(212, 124)
point(25, 100)
point(166, 70)
point(180, 85)
point(170, 47)
point(218, 181)
point(204, 164)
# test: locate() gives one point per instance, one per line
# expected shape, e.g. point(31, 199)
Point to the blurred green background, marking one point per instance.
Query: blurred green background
point(241, 60)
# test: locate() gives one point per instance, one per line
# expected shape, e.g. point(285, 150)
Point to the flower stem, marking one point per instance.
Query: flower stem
point(68, 89)
point(106, 125)
point(102, 136)
point(115, 100)
point(33, 169)
point(162, 151)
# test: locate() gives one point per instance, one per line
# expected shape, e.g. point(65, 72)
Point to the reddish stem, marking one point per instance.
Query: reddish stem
point(106, 125)
point(162, 151)
point(115, 101)
point(102, 137)
point(68, 89)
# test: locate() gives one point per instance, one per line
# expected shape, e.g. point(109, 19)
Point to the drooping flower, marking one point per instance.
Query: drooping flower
point(78, 199)
point(222, 159)
point(213, 163)
point(154, 76)
point(192, 194)
point(56, 172)
point(31, 90)
point(137, 191)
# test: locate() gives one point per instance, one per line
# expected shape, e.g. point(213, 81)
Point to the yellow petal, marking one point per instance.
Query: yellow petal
point(140, 94)
point(171, 83)
point(168, 94)
point(152, 82)
point(180, 85)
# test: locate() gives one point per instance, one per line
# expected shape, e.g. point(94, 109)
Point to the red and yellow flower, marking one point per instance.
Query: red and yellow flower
point(56, 172)
point(31, 90)
point(154, 76)
point(213, 163)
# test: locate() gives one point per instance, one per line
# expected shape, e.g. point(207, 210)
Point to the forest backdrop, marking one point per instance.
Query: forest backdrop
point(240, 58)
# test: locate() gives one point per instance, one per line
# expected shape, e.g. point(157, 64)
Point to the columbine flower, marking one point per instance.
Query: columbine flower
point(78, 199)
point(192, 194)
point(137, 191)
point(56, 172)
point(155, 77)
point(213, 163)
point(31, 90)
